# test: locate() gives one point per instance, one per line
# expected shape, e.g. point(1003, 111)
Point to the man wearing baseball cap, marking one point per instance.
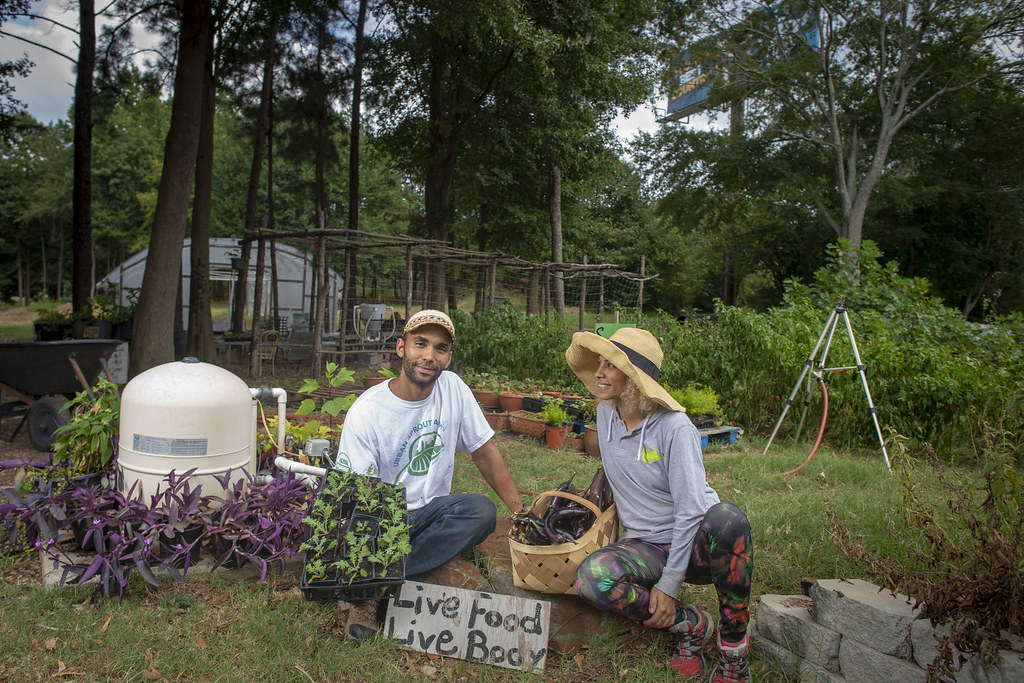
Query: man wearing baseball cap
point(406, 430)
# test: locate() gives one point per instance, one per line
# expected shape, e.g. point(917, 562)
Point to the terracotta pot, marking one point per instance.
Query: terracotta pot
point(575, 444)
point(555, 394)
point(510, 401)
point(370, 381)
point(591, 444)
point(486, 399)
point(499, 421)
point(555, 436)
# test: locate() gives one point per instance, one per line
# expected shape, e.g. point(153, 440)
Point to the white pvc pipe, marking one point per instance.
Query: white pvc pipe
point(308, 474)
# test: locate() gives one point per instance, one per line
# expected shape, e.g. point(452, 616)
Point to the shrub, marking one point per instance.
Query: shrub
point(502, 340)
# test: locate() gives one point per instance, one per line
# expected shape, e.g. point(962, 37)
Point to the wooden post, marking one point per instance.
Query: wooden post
point(257, 301)
point(583, 293)
point(426, 283)
point(640, 295)
point(320, 272)
point(408, 282)
point(547, 295)
point(600, 299)
point(346, 300)
point(494, 278)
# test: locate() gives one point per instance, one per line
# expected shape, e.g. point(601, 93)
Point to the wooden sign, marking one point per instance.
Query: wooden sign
point(501, 630)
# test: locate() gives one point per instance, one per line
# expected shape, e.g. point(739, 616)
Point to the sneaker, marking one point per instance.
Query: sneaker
point(362, 618)
point(690, 633)
point(732, 662)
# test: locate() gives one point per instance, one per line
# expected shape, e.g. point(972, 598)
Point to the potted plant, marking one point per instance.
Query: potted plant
point(54, 324)
point(485, 388)
point(701, 405)
point(87, 443)
point(556, 423)
point(574, 440)
point(383, 374)
point(511, 396)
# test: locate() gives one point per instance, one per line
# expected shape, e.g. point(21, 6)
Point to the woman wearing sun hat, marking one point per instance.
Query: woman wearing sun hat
point(674, 529)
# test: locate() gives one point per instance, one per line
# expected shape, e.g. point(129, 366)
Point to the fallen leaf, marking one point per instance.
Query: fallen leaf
point(579, 661)
point(60, 666)
point(433, 656)
point(36, 645)
point(429, 671)
point(106, 623)
point(153, 675)
point(50, 643)
point(659, 665)
point(623, 672)
point(201, 643)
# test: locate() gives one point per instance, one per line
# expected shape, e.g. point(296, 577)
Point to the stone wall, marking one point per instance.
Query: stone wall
point(851, 630)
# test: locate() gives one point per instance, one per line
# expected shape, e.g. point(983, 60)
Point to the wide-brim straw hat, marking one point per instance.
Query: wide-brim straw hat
point(634, 351)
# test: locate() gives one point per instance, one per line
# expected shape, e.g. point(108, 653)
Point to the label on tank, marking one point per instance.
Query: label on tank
point(160, 445)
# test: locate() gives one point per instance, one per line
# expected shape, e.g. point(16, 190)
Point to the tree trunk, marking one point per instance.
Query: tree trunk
point(443, 141)
point(200, 320)
point(354, 133)
point(555, 213)
point(252, 196)
point(154, 317)
point(81, 268)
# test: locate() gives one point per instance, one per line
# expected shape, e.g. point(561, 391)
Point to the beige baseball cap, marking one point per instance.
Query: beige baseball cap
point(430, 317)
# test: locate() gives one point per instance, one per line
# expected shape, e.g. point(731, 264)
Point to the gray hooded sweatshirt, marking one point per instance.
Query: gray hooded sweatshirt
point(656, 471)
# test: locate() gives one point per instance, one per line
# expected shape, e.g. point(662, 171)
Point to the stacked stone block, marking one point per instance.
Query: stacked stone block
point(850, 630)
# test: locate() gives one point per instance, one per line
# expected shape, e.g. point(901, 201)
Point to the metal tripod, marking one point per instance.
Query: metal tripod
point(819, 368)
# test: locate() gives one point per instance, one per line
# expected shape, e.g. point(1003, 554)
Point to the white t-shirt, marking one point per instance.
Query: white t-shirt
point(413, 442)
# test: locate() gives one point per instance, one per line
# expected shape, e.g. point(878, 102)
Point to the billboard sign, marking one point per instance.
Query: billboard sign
point(691, 84)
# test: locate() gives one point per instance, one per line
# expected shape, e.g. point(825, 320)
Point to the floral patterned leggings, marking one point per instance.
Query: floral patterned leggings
point(618, 577)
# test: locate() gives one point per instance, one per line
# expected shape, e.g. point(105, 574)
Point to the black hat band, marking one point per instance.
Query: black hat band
point(639, 361)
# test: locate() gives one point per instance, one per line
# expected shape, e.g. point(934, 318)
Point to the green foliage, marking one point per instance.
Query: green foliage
point(89, 439)
point(697, 400)
point(504, 341)
point(53, 318)
point(336, 377)
point(932, 375)
point(554, 414)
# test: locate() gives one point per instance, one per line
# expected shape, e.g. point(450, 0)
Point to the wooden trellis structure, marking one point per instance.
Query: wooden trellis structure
point(433, 253)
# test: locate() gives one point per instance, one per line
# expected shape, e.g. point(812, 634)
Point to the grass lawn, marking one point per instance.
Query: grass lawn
point(221, 626)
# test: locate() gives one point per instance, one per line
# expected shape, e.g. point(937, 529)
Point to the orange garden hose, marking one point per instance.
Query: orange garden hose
point(821, 429)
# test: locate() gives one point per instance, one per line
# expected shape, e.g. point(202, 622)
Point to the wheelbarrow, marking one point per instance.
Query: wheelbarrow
point(37, 378)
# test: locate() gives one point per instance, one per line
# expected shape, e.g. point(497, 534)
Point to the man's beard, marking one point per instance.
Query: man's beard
point(409, 368)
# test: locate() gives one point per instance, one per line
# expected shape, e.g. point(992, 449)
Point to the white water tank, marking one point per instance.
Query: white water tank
point(184, 415)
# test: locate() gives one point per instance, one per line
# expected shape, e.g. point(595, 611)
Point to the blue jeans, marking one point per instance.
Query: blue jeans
point(445, 527)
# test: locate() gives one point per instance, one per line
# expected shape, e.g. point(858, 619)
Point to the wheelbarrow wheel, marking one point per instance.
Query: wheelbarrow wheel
point(44, 416)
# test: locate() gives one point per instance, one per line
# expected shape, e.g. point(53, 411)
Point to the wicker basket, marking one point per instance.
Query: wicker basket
point(552, 568)
point(527, 423)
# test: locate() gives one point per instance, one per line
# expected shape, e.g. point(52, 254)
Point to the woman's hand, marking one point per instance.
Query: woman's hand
point(663, 610)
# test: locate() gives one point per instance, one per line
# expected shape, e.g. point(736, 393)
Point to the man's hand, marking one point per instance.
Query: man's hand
point(663, 610)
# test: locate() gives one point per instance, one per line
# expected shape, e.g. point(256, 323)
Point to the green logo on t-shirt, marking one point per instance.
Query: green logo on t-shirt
point(343, 463)
point(649, 455)
point(423, 451)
